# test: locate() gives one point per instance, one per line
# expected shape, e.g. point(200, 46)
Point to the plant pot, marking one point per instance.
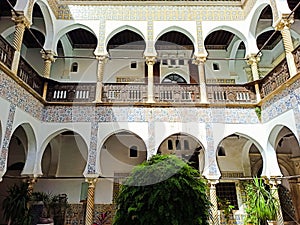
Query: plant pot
point(272, 222)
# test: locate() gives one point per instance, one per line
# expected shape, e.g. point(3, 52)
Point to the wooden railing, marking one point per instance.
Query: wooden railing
point(177, 93)
point(230, 93)
point(70, 92)
point(6, 52)
point(121, 92)
point(296, 54)
point(30, 76)
point(114, 92)
point(274, 79)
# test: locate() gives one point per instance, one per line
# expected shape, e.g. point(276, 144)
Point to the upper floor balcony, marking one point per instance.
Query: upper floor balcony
point(164, 93)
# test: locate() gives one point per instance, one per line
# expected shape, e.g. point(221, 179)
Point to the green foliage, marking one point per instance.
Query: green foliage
point(224, 204)
point(164, 190)
point(15, 205)
point(258, 112)
point(261, 205)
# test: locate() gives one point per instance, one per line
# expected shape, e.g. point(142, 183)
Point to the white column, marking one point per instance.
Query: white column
point(150, 60)
point(284, 27)
point(253, 60)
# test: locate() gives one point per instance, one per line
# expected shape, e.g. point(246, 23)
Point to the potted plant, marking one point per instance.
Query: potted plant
point(227, 209)
point(16, 205)
point(261, 204)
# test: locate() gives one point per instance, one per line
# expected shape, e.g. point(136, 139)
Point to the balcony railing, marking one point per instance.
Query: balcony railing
point(6, 52)
point(230, 93)
point(114, 92)
point(70, 92)
point(177, 93)
point(296, 54)
point(133, 92)
point(30, 76)
point(274, 79)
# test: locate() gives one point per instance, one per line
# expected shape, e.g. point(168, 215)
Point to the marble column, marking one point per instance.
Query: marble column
point(200, 62)
point(90, 204)
point(102, 59)
point(214, 203)
point(48, 57)
point(21, 22)
point(253, 62)
point(273, 185)
point(150, 60)
point(284, 27)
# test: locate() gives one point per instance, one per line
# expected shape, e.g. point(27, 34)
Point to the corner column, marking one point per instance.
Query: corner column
point(214, 203)
point(274, 190)
point(150, 60)
point(284, 26)
point(200, 62)
point(21, 22)
point(89, 215)
point(253, 60)
point(48, 57)
point(102, 59)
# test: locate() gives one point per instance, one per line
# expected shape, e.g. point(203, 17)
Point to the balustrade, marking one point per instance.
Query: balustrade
point(30, 76)
point(296, 54)
point(230, 94)
point(177, 93)
point(274, 79)
point(124, 92)
point(70, 92)
point(6, 52)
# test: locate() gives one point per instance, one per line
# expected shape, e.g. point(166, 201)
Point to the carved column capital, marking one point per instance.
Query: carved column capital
point(198, 59)
point(284, 22)
point(20, 18)
point(150, 60)
point(253, 59)
point(91, 181)
point(48, 55)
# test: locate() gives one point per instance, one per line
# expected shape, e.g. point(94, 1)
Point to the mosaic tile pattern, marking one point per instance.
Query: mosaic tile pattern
point(7, 135)
point(93, 149)
point(19, 96)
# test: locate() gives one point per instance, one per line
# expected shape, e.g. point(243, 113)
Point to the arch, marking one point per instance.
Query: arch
point(173, 77)
point(180, 30)
point(186, 147)
point(233, 30)
point(115, 152)
point(48, 20)
point(255, 18)
point(237, 146)
point(66, 29)
point(123, 28)
point(68, 143)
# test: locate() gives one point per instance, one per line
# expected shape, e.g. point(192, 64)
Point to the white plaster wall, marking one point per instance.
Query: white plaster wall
point(61, 186)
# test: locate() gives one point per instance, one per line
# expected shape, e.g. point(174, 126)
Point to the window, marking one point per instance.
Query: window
point(178, 145)
point(133, 65)
point(74, 67)
point(133, 153)
point(165, 62)
point(173, 62)
point(216, 66)
point(181, 62)
point(221, 151)
point(186, 145)
point(170, 145)
point(226, 192)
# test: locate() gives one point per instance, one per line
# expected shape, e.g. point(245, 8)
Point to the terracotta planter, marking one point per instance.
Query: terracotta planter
point(272, 222)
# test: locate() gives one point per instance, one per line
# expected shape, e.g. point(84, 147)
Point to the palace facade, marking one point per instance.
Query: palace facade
point(89, 89)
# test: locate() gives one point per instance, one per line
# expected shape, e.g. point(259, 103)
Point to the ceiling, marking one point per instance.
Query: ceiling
point(80, 38)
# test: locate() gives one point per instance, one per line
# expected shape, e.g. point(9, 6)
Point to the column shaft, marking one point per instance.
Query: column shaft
point(200, 61)
point(213, 200)
point(284, 27)
point(100, 73)
point(253, 62)
point(150, 62)
point(89, 217)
